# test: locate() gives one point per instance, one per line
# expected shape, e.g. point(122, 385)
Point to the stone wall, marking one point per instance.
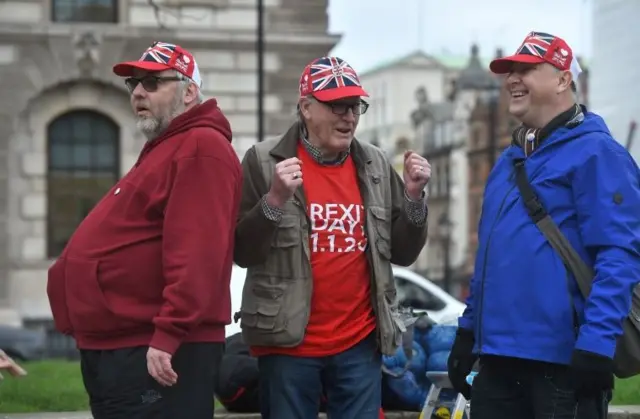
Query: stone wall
point(48, 69)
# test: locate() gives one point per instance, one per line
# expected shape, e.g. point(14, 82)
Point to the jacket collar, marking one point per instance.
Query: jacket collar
point(287, 147)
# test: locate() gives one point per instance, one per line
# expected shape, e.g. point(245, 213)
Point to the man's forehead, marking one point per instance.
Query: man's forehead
point(348, 100)
point(142, 73)
point(520, 67)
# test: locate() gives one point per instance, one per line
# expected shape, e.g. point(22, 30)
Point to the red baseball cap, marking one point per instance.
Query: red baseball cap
point(330, 78)
point(537, 48)
point(162, 56)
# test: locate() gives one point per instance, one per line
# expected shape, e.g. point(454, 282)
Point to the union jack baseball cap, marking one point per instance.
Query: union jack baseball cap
point(162, 56)
point(537, 48)
point(330, 78)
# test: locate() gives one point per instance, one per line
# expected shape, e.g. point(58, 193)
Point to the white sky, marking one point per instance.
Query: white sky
point(376, 31)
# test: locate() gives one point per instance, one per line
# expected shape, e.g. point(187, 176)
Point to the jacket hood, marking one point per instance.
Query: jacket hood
point(204, 115)
point(592, 123)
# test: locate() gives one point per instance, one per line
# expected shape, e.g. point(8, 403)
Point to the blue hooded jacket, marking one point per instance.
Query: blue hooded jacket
point(520, 295)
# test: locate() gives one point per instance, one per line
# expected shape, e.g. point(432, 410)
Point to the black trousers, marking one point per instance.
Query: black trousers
point(119, 385)
point(516, 388)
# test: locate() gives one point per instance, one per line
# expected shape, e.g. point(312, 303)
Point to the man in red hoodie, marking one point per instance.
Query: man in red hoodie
point(143, 283)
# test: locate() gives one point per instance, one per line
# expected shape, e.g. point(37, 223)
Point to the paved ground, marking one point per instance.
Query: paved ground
point(618, 412)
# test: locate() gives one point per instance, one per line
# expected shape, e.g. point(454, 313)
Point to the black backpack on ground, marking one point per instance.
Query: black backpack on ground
point(237, 382)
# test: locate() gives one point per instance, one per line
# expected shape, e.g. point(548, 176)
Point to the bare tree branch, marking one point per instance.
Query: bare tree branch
point(159, 10)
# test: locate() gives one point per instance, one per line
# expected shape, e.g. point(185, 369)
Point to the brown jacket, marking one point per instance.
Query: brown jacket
point(277, 292)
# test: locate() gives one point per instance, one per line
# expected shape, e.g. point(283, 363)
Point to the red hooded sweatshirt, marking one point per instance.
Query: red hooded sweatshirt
point(151, 263)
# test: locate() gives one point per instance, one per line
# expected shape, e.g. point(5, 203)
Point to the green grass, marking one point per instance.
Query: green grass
point(56, 386)
point(627, 391)
point(50, 386)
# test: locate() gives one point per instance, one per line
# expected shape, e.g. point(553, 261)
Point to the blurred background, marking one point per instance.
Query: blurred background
point(67, 132)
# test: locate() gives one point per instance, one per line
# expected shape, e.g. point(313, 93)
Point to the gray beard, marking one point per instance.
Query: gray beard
point(152, 127)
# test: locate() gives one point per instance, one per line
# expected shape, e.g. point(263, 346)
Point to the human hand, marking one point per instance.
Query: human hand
point(286, 179)
point(416, 174)
point(159, 367)
point(460, 362)
point(592, 374)
point(9, 365)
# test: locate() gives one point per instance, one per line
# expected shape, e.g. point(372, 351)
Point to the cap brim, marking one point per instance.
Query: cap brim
point(504, 65)
point(126, 69)
point(339, 93)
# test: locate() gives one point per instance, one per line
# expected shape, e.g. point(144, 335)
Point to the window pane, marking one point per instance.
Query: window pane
point(60, 131)
point(105, 156)
point(82, 168)
point(82, 128)
point(82, 156)
point(103, 133)
point(99, 11)
point(60, 157)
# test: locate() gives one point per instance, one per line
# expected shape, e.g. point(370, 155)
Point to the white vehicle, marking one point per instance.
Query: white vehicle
point(413, 291)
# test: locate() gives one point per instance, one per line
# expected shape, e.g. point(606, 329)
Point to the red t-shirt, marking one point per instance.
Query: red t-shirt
point(341, 310)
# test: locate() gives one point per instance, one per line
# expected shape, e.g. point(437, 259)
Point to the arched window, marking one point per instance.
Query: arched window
point(83, 163)
point(84, 11)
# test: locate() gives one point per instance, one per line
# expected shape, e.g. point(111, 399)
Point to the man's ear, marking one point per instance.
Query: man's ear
point(564, 82)
point(304, 105)
point(190, 94)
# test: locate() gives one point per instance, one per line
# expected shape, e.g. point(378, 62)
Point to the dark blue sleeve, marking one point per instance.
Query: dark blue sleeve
point(467, 320)
point(607, 195)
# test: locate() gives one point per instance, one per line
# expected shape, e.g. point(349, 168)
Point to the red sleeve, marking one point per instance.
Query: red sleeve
point(197, 211)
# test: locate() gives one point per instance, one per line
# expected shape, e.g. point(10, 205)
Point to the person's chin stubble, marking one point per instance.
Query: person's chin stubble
point(152, 127)
point(149, 126)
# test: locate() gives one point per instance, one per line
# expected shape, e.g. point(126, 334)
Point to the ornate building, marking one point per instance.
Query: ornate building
point(490, 133)
point(443, 129)
point(66, 130)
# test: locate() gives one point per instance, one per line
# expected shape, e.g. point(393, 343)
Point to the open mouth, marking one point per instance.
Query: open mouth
point(517, 94)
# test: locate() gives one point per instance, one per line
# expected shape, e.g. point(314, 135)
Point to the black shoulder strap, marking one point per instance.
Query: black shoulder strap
point(572, 260)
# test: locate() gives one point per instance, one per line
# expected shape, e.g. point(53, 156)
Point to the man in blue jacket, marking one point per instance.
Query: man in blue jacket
point(544, 350)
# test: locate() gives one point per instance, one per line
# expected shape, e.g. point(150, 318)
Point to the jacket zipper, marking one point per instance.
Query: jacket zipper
point(484, 268)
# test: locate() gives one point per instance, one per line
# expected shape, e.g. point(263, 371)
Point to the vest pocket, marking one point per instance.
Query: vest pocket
point(275, 311)
point(261, 305)
point(382, 225)
point(390, 324)
point(288, 233)
point(286, 251)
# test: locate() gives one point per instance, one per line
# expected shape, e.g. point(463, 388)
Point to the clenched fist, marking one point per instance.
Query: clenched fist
point(416, 174)
point(286, 179)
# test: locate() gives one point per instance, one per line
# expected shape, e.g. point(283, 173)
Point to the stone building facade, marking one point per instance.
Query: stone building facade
point(448, 139)
point(66, 130)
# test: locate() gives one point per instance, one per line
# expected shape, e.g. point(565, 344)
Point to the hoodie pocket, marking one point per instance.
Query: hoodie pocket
point(56, 291)
point(88, 309)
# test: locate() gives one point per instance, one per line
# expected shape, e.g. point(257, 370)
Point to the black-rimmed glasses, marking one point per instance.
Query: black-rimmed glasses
point(341, 108)
point(149, 83)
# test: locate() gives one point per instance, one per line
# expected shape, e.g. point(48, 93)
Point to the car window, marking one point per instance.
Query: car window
point(412, 295)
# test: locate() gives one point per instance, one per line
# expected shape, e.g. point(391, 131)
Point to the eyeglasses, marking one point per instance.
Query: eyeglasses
point(341, 108)
point(149, 83)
